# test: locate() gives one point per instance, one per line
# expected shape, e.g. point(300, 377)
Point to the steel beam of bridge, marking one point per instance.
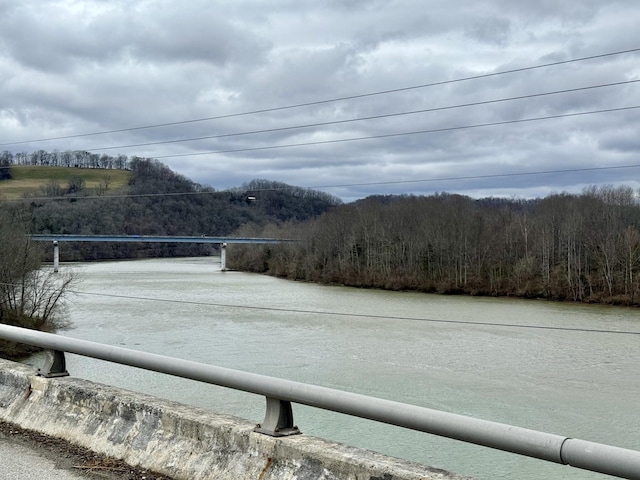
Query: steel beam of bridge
point(154, 239)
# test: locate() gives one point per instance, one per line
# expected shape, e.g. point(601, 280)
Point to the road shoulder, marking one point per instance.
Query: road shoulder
point(77, 460)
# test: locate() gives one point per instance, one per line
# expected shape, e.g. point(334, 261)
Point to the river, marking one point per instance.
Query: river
point(555, 367)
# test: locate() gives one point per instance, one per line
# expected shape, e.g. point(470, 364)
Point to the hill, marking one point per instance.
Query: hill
point(151, 199)
point(41, 180)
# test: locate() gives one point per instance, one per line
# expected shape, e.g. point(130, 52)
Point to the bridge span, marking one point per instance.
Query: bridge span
point(155, 239)
point(221, 240)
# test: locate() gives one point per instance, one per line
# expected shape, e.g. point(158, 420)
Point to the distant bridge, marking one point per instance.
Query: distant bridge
point(223, 241)
point(155, 239)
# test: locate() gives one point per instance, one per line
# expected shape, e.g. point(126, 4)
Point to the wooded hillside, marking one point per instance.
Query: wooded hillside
point(582, 247)
point(576, 247)
point(157, 201)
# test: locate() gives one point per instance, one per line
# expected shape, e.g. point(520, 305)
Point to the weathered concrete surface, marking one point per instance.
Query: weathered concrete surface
point(181, 441)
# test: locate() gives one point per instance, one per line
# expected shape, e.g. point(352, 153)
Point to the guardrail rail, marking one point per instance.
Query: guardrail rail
point(280, 393)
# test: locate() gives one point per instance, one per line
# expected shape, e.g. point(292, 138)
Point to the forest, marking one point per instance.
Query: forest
point(583, 248)
point(578, 247)
point(158, 201)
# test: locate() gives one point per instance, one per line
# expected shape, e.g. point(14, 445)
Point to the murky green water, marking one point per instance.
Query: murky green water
point(448, 353)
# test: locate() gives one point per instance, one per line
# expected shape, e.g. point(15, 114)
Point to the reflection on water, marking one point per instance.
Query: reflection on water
point(447, 353)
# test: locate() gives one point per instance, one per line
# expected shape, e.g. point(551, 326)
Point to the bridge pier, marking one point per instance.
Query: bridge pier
point(223, 257)
point(56, 256)
point(222, 241)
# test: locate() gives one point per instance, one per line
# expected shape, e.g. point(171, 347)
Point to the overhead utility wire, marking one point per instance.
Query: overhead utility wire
point(357, 315)
point(390, 182)
point(476, 177)
point(373, 117)
point(344, 314)
point(332, 100)
point(470, 177)
point(401, 134)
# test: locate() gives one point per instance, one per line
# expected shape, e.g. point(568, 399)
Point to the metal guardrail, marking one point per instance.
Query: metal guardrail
point(280, 393)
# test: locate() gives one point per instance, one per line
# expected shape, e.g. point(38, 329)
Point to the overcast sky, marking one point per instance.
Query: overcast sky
point(75, 67)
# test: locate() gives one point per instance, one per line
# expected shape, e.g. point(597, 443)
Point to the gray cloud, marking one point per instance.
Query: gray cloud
point(70, 67)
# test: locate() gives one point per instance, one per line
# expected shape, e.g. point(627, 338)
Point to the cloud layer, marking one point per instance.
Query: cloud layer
point(73, 67)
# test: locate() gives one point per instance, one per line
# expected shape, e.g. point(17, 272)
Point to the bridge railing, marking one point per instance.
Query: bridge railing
point(281, 393)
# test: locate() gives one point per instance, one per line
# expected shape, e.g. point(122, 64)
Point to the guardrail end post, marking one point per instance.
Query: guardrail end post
point(278, 420)
point(54, 365)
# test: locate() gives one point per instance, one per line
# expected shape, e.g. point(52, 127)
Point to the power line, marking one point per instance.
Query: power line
point(401, 134)
point(469, 177)
point(373, 117)
point(477, 177)
point(343, 314)
point(356, 315)
point(367, 184)
point(320, 102)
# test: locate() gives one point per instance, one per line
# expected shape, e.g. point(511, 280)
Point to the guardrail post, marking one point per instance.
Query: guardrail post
point(278, 420)
point(54, 365)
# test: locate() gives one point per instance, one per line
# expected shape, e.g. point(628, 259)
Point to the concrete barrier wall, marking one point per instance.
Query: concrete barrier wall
point(181, 441)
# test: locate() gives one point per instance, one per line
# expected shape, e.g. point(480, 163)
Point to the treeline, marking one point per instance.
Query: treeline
point(159, 201)
point(67, 158)
point(567, 247)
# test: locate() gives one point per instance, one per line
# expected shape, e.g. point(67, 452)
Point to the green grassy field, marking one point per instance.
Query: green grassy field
point(32, 181)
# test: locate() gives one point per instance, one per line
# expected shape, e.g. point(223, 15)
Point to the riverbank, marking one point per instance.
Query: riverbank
point(449, 290)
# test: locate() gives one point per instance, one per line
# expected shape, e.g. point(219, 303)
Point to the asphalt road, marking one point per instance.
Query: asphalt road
point(22, 462)
point(28, 455)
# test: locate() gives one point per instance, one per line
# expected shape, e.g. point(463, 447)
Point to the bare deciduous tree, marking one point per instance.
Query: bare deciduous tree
point(30, 296)
point(565, 247)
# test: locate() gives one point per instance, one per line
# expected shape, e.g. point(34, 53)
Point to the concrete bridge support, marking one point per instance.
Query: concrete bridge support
point(56, 256)
point(223, 257)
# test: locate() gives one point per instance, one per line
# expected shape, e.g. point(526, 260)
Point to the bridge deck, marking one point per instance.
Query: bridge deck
point(155, 239)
